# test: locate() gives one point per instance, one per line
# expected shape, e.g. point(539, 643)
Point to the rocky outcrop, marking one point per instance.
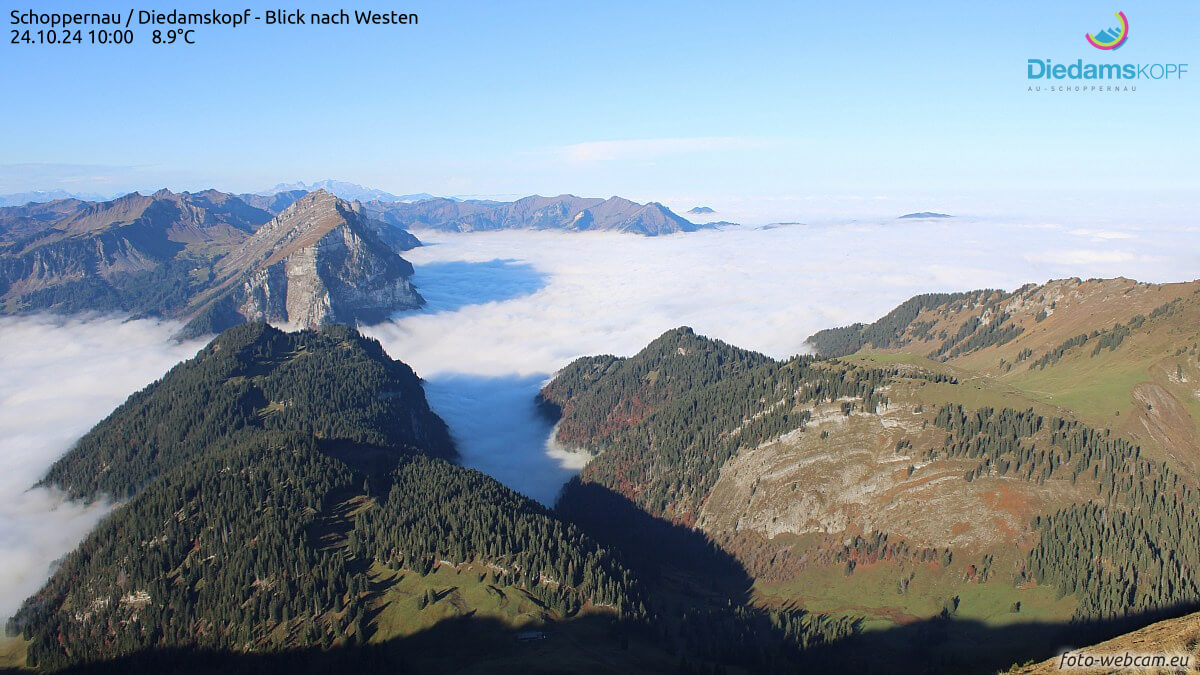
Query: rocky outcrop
point(207, 257)
point(319, 262)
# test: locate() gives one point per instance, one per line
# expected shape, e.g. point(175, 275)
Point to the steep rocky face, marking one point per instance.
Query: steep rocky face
point(319, 262)
point(209, 257)
point(139, 253)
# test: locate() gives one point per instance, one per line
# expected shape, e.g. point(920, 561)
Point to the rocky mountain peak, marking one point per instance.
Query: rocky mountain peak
point(318, 262)
point(303, 223)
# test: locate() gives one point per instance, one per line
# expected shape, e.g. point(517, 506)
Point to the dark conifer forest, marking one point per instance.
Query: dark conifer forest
point(263, 481)
point(290, 501)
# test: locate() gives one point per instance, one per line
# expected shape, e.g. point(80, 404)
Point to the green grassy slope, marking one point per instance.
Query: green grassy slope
point(1112, 423)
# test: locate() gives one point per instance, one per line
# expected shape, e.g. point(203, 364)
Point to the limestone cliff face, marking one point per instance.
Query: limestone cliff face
point(318, 262)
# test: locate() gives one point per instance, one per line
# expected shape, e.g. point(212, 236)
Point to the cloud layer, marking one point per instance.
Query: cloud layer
point(507, 309)
point(57, 379)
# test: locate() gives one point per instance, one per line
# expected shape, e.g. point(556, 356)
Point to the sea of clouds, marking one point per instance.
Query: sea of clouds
point(507, 309)
point(58, 377)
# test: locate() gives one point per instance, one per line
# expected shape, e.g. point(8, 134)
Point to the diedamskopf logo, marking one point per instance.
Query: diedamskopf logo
point(1108, 74)
point(1111, 38)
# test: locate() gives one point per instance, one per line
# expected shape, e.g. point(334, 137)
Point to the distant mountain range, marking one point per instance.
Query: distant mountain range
point(211, 258)
point(348, 191)
point(306, 258)
point(564, 212)
point(924, 214)
point(41, 196)
point(345, 190)
point(424, 210)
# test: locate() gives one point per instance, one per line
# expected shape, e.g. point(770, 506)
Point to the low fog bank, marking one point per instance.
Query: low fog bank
point(508, 309)
point(499, 431)
point(58, 378)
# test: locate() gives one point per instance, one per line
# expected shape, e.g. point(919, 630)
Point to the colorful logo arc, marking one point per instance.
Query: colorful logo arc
point(1111, 38)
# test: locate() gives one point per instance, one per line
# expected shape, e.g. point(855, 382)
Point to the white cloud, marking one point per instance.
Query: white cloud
point(509, 308)
point(1085, 257)
point(57, 379)
point(1102, 235)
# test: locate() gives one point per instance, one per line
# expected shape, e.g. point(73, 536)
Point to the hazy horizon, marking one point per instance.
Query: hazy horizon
point(815, 209)
point(777, 111)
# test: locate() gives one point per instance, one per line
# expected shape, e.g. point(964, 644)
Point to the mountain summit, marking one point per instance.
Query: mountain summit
point(348, 191)
point(210, 258)
point(138, 253)
point(317, 262)
point(924, 215)
point(289, 496)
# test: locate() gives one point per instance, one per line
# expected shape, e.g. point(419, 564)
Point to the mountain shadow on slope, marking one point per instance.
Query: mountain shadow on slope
point(282, 490)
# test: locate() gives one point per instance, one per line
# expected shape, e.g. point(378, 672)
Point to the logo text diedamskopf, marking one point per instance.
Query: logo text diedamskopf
point(1046, 69)
point(1100, 77)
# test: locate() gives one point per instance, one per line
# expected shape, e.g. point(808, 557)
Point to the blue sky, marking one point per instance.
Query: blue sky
point(811, 108)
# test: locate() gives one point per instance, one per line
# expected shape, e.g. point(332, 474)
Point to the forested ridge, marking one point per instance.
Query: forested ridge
point(435, 511)
point(1134, 548)
point(886, 331)
point(225, 554)
point(668, 460)
point(1090, 533)
point(267, 479)
point(277, 488)
point(333, 384)
point(600, 396)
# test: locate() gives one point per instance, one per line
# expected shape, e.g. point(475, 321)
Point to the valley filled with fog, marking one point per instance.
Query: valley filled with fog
point(506, 309)
point(58, 377)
